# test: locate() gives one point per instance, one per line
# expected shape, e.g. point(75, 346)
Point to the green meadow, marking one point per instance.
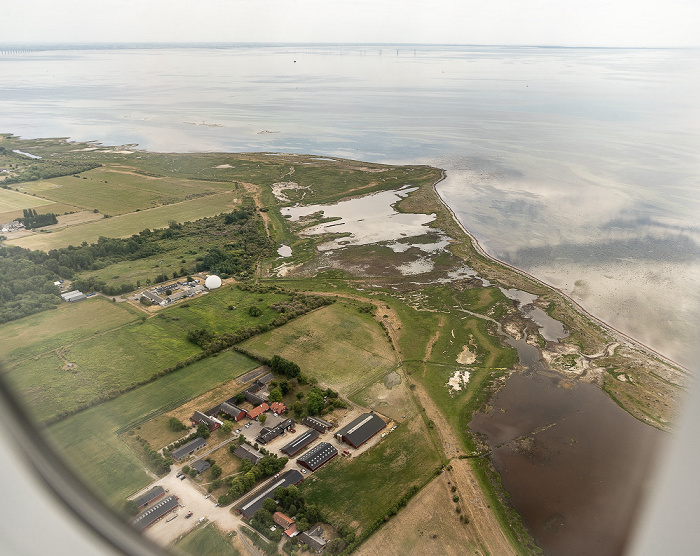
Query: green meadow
point(128, 224)
point(89, 439)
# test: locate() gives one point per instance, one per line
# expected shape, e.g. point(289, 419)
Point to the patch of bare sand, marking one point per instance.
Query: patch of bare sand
point(428, 525)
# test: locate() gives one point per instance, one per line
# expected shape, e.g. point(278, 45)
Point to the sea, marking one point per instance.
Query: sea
point(580, 166)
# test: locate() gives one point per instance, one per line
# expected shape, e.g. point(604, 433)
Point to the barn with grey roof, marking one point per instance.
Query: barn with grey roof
point(154, 513)
point(317, 456)
point(299, 443)
point(361, 429)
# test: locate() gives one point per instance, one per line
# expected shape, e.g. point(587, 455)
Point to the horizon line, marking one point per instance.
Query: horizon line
point(132, 44)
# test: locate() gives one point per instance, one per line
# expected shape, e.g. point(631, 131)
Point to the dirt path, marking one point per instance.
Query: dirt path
point(487, 530)
point(431, 343)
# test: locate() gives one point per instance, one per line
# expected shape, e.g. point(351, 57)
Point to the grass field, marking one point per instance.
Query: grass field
point(11, 200)
point(68, 323)
point(212, 312)
point(356, 492)
point(205, 540)
point(101, 364)
point(119, 190)
point(89, 439)
point(341, 347)
point(132, 223)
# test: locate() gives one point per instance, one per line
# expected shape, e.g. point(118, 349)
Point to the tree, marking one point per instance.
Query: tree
point(186, 469)
point(262, 418)
point(203, 431)
point(216, 471)
point(228, 427)
point(275, 395)
point(315, 403)
point(175, 425)
point(269, 505)
point(255, 311)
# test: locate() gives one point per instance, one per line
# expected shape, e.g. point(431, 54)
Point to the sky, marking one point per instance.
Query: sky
point(611, 23)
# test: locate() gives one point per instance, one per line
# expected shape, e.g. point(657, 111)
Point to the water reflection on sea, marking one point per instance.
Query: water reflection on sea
point(578, 165)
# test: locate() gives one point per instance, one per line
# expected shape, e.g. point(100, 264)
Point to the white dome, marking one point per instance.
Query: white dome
point(212, 282)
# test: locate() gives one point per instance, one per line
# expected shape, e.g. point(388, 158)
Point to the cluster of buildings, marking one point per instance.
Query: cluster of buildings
point(13, 226)
point(178, 290)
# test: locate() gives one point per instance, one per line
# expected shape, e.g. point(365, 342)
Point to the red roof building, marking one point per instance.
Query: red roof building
point(257, 411)
point(282, 520)
point(278, 407)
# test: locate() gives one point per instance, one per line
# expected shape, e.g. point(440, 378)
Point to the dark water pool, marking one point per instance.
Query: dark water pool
point(576, 465)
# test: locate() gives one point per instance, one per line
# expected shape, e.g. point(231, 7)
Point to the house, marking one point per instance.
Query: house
point(299, 443)
point(188, 449)
point(278, 407)
point(317, 423)
point(282, 520)
point(151, 496)
point(314, 539)
point(154, 513)
point(252, 505)
point(317, 456)
point(200, 466)
point(246, 452)
point(212, 422)
point(361, 429)
point(257, 411)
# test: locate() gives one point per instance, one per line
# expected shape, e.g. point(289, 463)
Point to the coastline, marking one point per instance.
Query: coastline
point(616, 333)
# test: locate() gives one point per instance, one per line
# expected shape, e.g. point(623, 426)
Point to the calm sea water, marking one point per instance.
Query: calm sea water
point(580, 166)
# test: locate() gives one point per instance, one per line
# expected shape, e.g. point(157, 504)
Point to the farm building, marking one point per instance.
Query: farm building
point(246, 452)
point(268, 434)
point(300, 442)
point(317, 456)
point(317, 423)
point(257, 411)
point(229, 409)
point(266, 379)
point(361, 429)
point(189, 448)
point(74, 296)
point(278, 407)
point(212, 422)
point(314, 539)
point(200, 466)
point(150, 496)
point(252, 505)
point(154, 513)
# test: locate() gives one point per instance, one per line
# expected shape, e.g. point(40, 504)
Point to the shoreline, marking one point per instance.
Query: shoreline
point(618, 334)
